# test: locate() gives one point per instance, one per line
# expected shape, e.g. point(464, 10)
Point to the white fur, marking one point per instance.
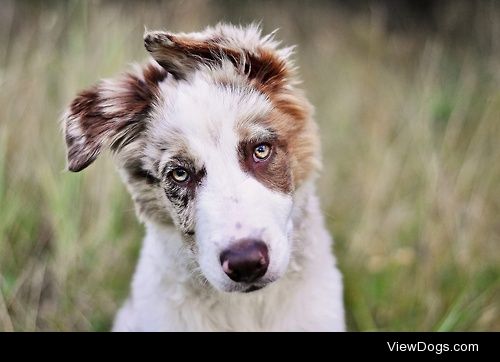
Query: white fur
point(305, 290)
point(166, 298)
point(229, 197)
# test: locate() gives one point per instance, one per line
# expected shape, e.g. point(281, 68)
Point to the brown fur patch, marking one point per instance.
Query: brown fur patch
point(274, 172)
point(291, 118)
point(292, 121)
point(268, 70)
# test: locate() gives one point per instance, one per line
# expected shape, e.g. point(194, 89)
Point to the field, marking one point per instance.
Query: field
point(410, 121)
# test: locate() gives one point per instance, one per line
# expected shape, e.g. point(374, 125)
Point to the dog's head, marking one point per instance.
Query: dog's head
point(213, 136)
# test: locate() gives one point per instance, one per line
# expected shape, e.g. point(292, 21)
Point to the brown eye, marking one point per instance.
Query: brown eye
point(179, 175)
point(261, 152)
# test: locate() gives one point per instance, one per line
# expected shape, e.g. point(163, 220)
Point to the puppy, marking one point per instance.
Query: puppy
point(219, 150)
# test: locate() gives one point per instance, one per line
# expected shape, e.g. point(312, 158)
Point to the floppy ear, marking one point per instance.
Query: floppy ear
point(109, 114)
point(254, 56)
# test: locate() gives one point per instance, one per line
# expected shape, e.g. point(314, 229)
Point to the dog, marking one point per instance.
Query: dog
point(219, 150)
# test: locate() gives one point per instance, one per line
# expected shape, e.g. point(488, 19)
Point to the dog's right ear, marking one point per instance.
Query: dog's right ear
point(109, 114)
point(179, 54)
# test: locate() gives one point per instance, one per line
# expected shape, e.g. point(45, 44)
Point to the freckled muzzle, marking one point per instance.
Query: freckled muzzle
point(246, 261)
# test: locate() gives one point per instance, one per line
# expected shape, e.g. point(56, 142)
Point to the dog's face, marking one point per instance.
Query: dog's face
point(213, 137)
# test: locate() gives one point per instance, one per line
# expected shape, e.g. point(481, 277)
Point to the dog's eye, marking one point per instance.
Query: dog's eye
point(261, 152)
point(179, 175)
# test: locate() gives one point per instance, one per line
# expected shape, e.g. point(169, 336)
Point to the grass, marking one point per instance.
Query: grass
point(411, 138)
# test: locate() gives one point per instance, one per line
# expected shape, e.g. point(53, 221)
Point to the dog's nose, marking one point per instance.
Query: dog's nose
point(245, 261)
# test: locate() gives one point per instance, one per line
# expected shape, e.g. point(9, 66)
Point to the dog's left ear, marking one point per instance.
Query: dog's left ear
point(110, 114)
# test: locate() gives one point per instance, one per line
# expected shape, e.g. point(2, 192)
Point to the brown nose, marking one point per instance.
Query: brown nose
point(245, 261)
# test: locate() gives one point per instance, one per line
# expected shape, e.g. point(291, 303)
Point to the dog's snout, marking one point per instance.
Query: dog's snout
point(245, 261)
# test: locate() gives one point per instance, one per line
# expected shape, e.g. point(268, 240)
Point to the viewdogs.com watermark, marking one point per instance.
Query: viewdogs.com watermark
point(437, 348)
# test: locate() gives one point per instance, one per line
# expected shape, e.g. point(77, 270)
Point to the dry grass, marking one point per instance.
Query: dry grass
point(411, 139)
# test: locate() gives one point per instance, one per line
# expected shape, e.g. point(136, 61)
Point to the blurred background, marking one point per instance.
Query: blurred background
point(408, 99)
